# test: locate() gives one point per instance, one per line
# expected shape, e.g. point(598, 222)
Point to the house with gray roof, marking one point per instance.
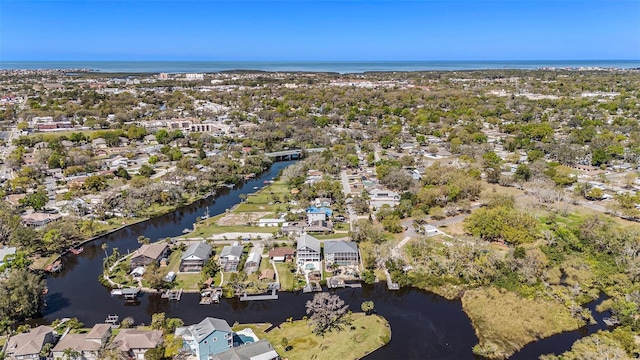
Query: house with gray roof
point(259, 350)
point(28, 345)
point(230, 257)
point(308, 249)
point(209, 337)
point(341, 252)
point(253, 260)
point(195, 257)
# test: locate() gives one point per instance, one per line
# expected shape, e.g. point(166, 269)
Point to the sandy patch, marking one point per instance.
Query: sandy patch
point(235, 219)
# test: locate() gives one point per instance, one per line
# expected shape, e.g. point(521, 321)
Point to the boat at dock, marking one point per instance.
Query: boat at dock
point(55, 267)
point(210, 296)
point(77, 251)
point(127, 293)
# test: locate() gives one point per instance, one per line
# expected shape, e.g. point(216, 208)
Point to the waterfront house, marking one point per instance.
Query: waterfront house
point(318, 214)
point(259, 350)
point(282, 254)
point(195, 257)
point(253, 260)
point(149, 253)
point(209, 337)
point(28, 345)
point(341, 252)
point(267, 275)
point(38, 219)
point(308, 249)
point(135, 343)
point(230, 257)
point(86, 345)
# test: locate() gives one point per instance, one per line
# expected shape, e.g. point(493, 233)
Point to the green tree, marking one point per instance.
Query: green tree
point(367, 307)
point(491, 163)
point(20, 295)
point(36, 200)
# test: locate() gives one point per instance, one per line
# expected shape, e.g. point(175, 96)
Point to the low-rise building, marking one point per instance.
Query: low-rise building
point(282, 254)
point(149, 253)
point(28, 345)
point(87, 345)
point(318, 214)
point(259, 350)
point(135, 343)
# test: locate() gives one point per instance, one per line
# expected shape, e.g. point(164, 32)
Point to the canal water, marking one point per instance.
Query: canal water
point(424, 325)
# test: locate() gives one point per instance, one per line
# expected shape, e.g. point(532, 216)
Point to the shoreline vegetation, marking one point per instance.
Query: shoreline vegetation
point(506, 189)
point(363, 335)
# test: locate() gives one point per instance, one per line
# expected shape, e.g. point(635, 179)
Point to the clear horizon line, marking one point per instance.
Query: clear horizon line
point(321, 61)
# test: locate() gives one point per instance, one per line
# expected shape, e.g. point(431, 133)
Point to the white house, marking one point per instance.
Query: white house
point(379, 197)
point(270, 222)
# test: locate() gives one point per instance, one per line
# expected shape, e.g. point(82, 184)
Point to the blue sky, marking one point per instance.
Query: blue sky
point(319, 30)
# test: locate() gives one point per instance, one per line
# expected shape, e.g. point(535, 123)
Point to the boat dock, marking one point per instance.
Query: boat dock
point(335, 282)
point(611, 321)
point(127, 293)
point(210, 296)
point(272, 296)
point(112, 320)
point(172, 295)
point(390, 284)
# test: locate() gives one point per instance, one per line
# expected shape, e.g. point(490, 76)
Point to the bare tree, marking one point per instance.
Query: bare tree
point(326, 312)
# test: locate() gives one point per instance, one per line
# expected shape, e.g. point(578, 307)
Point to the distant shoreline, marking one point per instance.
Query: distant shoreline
point(341, 67)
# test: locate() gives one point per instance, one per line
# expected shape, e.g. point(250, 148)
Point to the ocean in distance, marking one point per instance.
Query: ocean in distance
point(309, 66)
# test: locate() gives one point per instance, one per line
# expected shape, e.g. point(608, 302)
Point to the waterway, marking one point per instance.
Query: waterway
point(424, 325)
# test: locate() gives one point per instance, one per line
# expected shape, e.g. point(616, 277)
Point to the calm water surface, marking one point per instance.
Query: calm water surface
point(424, 326)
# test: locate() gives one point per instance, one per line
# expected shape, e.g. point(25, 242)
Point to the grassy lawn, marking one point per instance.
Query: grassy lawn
point(365, 335)
point(287, 278)
point(205, 231)
point(331, 236)
point(174, 261)
point(504, 322)
point(187, 281)
point(40, 263)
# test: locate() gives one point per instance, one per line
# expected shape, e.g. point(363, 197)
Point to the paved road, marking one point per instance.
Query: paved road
point(5, 171)
point(346, 189)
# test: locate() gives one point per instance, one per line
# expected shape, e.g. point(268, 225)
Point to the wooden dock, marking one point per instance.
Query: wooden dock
point(390, 284)
point(611, 321)
point(272, 296)
point(172, 295)
point(210, 296)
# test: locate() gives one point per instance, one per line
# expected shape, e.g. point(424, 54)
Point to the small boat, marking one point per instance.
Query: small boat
point(77, 251)
point(206, 215)
point(55, 267)
point(186, 231)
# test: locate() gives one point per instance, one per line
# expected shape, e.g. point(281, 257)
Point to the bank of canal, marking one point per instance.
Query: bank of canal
point(424, 325)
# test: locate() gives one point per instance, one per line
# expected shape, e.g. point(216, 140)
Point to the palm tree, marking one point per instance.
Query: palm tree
point(70, 354)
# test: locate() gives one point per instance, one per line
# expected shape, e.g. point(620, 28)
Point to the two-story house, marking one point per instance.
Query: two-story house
point(341, 252)
point(230, 257)
point(195, 257)
point(308, 249)
point(208, 337)
point(318, 214)
point(149, 253)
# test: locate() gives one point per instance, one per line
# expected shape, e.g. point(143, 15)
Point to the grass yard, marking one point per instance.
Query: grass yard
point(365, 335)
point(331, 236)
point(187, 281)
point(287, 278)
point(504, 322)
